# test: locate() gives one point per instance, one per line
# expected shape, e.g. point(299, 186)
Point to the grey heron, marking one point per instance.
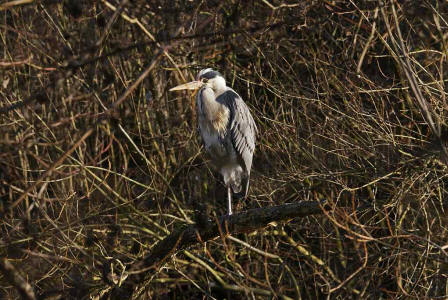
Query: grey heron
point(227, 128)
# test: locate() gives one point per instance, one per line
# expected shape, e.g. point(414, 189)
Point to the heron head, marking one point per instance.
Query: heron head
point(206, 78)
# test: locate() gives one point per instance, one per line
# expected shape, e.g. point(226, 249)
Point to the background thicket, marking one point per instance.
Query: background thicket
point(98, 161)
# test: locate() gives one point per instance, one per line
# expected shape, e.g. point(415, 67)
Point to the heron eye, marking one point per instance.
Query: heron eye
point(204, 80)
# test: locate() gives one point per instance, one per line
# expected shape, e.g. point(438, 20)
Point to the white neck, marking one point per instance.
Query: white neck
point(218, 85)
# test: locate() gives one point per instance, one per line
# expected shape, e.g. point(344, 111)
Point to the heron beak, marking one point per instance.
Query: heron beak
point(194, 85)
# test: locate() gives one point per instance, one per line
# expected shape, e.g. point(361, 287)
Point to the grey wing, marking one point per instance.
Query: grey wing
point(242, 127)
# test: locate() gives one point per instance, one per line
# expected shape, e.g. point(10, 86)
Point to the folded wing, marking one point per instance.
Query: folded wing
point(242, 129)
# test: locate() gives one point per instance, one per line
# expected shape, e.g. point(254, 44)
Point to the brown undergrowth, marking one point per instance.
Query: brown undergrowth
point(98, 162)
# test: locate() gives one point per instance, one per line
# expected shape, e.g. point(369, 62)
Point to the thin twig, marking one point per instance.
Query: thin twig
point(16, 280)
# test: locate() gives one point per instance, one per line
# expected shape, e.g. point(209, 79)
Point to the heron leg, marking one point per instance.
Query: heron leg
point(229, 200)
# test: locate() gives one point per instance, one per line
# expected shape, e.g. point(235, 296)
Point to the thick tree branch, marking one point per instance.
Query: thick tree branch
point(246, 221)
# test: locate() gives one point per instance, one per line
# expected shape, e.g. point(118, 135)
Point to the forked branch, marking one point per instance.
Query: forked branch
point(246, 221)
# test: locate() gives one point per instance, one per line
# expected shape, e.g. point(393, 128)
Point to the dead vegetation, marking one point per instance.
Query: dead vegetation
point(98, 162)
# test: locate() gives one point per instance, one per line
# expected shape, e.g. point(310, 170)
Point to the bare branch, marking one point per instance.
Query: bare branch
point(247, 221)
point(14, 277)
point(11, 4)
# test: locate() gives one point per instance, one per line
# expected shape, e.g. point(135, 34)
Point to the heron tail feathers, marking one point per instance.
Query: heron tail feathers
point(242, 189)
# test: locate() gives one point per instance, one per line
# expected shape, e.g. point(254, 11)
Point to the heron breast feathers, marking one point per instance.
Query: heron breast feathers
point(220, 120)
